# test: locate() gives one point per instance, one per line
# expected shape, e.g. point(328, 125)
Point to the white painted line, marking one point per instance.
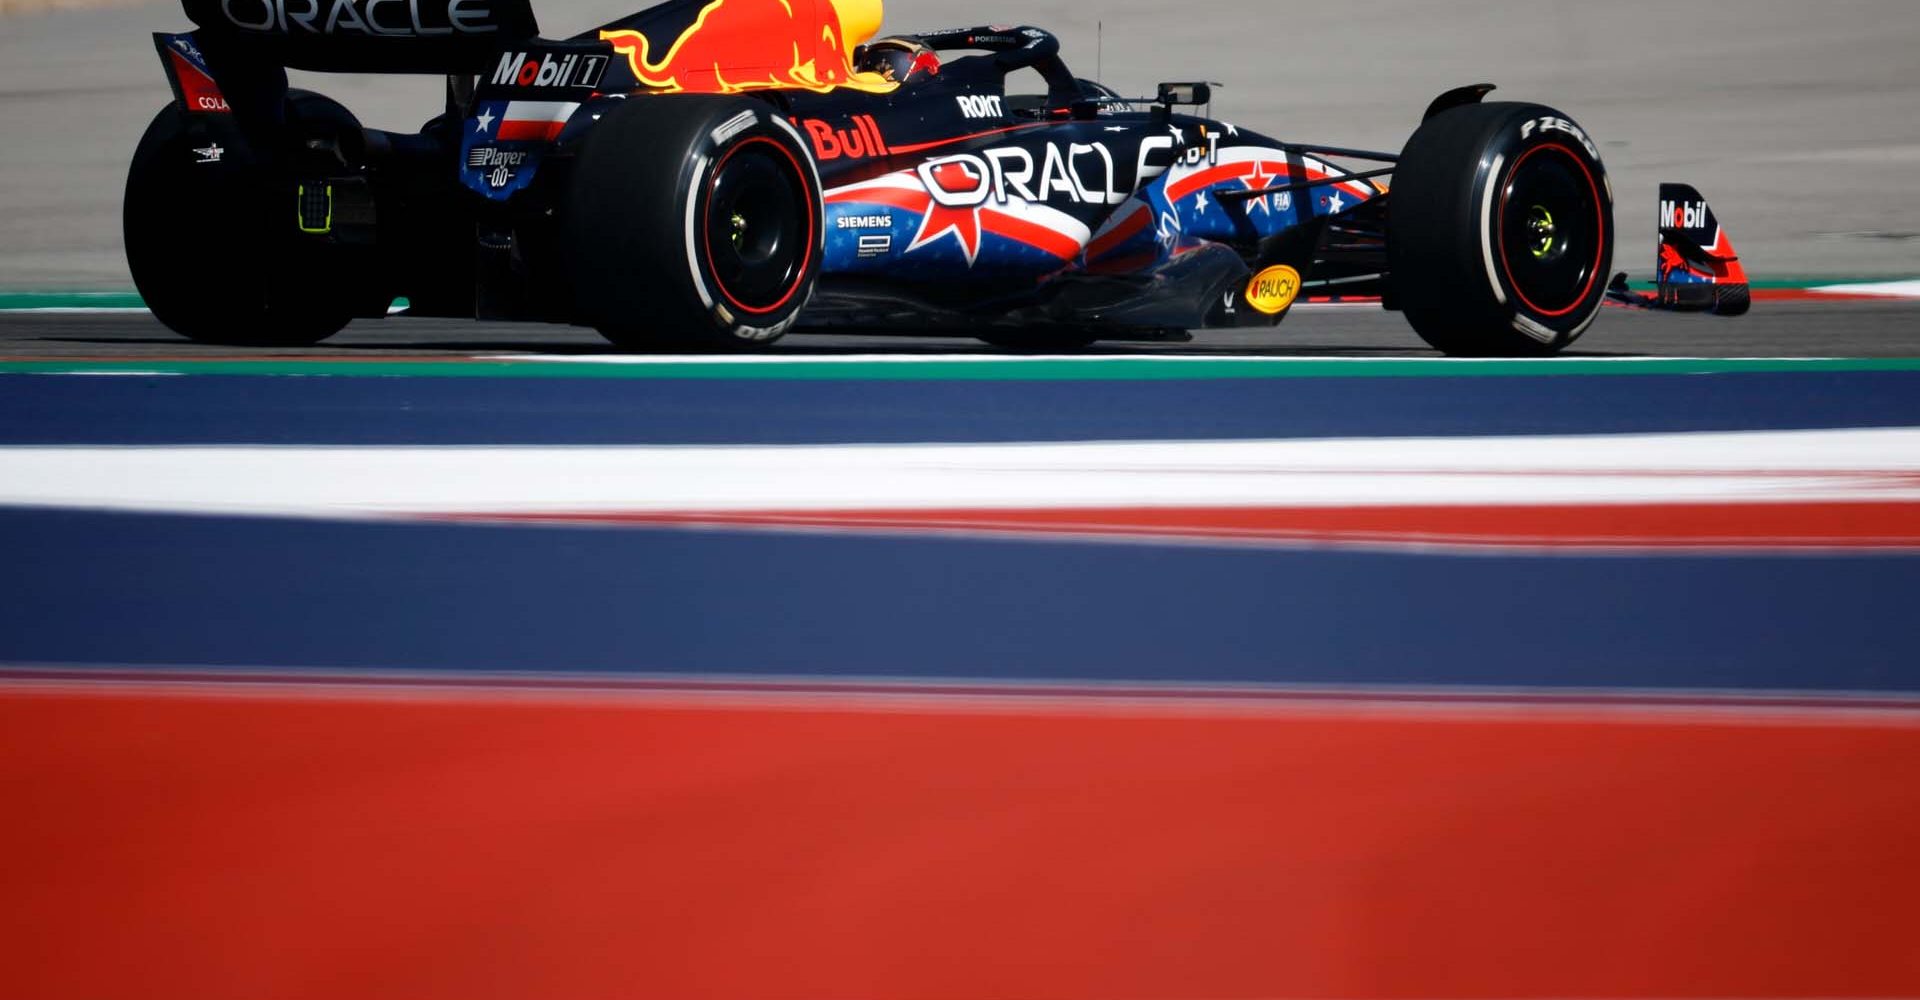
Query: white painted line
point(355, 482)
point(1890, 289)
point(117, 373)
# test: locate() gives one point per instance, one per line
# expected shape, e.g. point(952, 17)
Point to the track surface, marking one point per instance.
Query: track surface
point(1774, 329)
point(1796, 119)
point(250, 754)
point(325, 756)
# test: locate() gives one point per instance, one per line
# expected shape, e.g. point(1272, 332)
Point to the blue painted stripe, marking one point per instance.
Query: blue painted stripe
point(131, 409)
point(140, 589)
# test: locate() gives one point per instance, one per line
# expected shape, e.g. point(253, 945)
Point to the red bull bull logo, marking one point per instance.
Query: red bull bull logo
point(739, 45)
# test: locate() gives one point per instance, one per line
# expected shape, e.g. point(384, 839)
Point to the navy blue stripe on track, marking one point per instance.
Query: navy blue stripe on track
point(93, 588)
point(215, 409)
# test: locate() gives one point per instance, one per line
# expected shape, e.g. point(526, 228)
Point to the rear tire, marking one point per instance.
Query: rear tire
point(1501, 233)
point(205, 254)
point(694, 222)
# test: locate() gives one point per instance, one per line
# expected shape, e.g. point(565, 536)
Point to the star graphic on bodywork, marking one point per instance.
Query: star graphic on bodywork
point(1258, 179)
point(483, 121)
point(963, 223)
point(957, 182)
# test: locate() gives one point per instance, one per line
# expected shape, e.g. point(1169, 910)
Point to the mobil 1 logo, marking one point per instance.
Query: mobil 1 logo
point(581, 70)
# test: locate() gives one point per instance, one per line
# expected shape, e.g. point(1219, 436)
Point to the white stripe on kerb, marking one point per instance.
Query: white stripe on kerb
point(357, 482)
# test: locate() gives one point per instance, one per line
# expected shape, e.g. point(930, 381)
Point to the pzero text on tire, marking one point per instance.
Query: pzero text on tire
point(694, 222)
point(1502, 234)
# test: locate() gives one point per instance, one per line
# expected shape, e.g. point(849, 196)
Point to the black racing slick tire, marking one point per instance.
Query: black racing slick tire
point(204, 253)
point(1501, 232)
point(694, 223)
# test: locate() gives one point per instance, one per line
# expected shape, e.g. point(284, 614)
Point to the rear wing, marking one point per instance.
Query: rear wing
point(365, 36)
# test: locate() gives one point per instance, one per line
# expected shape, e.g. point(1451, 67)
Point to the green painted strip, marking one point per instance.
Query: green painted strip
point(14, 301)
point(984, 369)
point(70, 300)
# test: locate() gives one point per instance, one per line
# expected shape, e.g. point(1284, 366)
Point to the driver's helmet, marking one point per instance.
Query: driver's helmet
point(901, 60)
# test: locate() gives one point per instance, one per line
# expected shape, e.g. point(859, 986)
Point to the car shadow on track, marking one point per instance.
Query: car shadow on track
point(99, 336)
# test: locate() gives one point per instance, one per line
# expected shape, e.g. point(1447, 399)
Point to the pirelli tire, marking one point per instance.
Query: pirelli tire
point(694, 223)
point(1501, 234)
point(204, 250)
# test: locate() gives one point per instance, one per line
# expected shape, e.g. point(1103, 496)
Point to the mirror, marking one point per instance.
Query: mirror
point(1186, 93)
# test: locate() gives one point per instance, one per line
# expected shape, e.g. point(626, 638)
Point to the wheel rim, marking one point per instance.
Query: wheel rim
point(1545, 234)
point(1551, 230)
point(758, 226)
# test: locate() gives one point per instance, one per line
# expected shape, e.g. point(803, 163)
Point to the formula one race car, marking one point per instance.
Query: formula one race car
point(712, 174)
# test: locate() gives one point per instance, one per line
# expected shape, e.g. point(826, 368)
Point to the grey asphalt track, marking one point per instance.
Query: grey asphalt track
point(1774, 329)
point(1800, 121)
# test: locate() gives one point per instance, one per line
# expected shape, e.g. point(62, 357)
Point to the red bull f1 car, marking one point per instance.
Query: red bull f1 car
point(710, 175)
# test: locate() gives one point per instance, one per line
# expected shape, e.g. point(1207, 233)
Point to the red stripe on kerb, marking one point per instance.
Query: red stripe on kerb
point(227, 847)
point(1817, 525)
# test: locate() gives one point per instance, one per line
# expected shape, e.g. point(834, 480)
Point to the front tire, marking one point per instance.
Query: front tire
point(694, 222)
point(204, 254)
point(1501, 233)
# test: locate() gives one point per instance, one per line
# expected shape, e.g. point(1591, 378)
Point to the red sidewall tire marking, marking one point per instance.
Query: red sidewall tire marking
point(1600, 227)
point(706, 231)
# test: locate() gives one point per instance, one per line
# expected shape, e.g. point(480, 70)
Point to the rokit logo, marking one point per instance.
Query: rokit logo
point(857, 143)
point(518, 69)
point(384, 18)
point(1683, 215)
point(980, 107)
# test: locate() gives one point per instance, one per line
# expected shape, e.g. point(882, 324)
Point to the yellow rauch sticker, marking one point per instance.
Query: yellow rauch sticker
point(1274, 289)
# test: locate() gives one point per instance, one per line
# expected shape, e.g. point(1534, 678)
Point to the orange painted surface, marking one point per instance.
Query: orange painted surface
point(202, 847)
